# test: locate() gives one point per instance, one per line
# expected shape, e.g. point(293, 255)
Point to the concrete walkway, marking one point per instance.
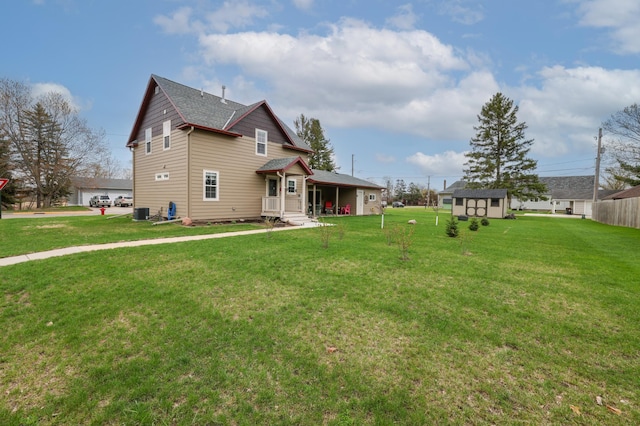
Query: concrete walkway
point(6, 261)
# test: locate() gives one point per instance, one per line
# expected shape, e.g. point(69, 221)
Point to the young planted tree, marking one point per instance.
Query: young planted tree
point(498, 157)
point(625, 126)
point(310, 131)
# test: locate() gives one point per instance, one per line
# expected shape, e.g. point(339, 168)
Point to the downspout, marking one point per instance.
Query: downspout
point(188, 171)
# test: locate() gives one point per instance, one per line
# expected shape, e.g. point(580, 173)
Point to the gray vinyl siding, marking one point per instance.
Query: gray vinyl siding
point(240, 189)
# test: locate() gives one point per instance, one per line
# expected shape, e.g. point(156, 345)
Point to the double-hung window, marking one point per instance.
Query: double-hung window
point(211, 185)
point(291, 186)
point(166, 134)
point(147, 141)
point(261, 142)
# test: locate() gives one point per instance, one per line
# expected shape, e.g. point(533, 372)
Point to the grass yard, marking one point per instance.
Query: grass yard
point(527, 321)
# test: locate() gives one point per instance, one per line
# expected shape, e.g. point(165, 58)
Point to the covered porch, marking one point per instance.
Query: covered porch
point(285, 187)
point(331, 194)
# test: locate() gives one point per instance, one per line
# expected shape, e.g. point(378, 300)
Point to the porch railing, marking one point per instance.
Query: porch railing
point(271, 206)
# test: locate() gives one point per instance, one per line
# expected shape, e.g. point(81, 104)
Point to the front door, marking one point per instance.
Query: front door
point(273, 187)
point(359, 202)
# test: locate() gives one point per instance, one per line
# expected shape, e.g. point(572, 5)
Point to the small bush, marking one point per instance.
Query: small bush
point(484, 221)
point(452, 227)
point(474, 224)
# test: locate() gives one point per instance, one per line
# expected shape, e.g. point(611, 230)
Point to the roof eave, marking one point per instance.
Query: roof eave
point(208, 129)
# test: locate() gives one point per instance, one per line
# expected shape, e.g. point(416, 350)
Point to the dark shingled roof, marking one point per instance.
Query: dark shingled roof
point(338, 179)
point(283, 164)
point(100, 183)
point(204, 110)
point(569, 187)
point(480, 193)
point(459, 184)
point(627, 193)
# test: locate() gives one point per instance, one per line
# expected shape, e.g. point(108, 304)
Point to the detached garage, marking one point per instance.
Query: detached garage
point(84, 188)
point(490, 203)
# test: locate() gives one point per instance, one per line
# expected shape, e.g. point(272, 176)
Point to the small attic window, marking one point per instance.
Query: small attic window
point(157, 90)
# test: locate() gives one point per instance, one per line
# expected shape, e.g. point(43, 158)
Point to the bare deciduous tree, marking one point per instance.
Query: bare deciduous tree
point(49, 142)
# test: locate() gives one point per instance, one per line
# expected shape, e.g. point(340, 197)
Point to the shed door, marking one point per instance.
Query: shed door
point(476, 207)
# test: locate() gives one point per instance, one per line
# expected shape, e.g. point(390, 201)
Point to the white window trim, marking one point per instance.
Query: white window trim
point(266, 139)
point(162, 176)
point(295, 186)
point(204, 187)
point(372, 197)
point(148, 134)
point(166, 135)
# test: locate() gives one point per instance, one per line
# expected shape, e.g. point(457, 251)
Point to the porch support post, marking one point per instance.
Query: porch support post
point(304, 193)
point(313, 203)
point(337, 196)
point(282, 192)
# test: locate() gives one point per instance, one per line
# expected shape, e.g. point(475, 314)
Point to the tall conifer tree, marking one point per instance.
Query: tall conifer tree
point(498, 157)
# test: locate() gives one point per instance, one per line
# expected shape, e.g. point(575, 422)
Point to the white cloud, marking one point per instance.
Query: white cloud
point(405, 19)
point(619, 16)
point(461, 13)
point(408, 82)
point(178, 23)
point(573, 102)
point(449, 163)
point(303, 4)
point(41, 89)
point(241, 14)
point(357, 75)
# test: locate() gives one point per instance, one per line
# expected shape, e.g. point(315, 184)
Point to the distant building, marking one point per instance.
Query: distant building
point(83, 189)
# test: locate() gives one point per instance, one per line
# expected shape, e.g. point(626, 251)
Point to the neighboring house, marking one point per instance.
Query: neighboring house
point(220, 160)
point(566, 194)
point(627, 193)
point(83, 189)
point(445, 197)
point(620, 209)
point(491, 203)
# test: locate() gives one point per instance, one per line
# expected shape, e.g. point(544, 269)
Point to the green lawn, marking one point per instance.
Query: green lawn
point(525, 321)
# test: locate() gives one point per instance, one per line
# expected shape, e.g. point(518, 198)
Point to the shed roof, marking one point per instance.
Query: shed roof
point(480, 193)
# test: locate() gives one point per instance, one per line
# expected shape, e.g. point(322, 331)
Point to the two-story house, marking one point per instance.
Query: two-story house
point(220, 160)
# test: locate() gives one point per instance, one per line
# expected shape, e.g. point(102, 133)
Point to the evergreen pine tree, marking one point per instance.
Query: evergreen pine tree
point(498, 157)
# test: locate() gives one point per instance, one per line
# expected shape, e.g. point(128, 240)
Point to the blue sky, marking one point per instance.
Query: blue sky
point(397, 86)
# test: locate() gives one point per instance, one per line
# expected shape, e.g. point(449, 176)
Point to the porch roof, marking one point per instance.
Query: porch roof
point(284, 164)
point(338, 179)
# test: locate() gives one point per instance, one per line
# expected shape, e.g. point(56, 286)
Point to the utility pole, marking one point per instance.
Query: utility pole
point(596, 181)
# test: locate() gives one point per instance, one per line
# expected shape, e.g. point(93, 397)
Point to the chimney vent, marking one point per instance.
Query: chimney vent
point(223, 100)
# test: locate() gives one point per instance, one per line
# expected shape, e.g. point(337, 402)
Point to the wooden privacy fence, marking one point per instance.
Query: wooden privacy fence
point(624, 212)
